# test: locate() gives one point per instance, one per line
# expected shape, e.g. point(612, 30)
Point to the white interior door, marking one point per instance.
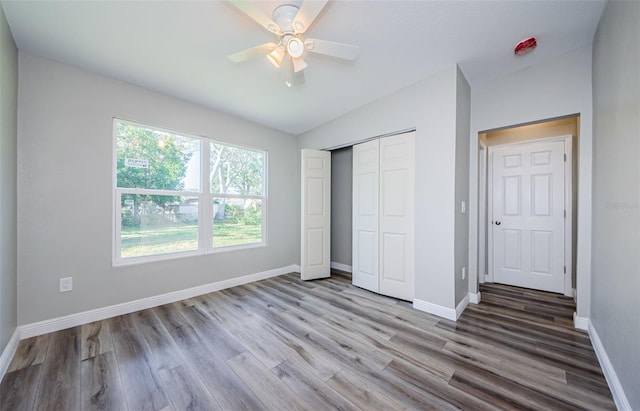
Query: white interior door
point(315, 239)
point(527, 222)
point(365, 222)
point(397, 194)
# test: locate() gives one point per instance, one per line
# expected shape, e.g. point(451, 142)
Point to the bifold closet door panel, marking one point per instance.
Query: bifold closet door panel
point(397, 216)
point(366, 165)
point(315, 236)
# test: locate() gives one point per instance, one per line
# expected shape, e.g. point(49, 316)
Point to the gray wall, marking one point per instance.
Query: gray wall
point(429, 106)
point(341, 201)
point(616, 192)
point(8, 194)
point(463, 118)
point(65, 184)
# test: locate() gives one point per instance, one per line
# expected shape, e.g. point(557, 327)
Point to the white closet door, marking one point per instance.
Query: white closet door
point(364, 263)
point(397, 216)
point(383, 216)
point(315, 258)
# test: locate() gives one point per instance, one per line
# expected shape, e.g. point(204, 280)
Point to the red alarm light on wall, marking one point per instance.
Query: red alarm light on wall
point(525, 46)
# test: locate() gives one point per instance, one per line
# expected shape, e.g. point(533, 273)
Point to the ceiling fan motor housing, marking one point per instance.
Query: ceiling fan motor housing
point(283, 16)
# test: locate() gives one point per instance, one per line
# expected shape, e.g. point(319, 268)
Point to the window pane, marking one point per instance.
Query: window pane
point(152, 159)
point(236, 170)
point(236, 221)
point(153, 225)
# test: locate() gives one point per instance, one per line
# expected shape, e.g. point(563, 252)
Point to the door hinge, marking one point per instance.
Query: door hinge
point(565, 269)
point(565, 213)
point(565, 157)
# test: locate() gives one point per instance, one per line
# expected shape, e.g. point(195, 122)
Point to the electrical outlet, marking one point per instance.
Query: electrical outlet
point(66, 284)
point(464, 272)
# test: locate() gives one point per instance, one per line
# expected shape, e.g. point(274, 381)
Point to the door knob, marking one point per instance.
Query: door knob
point(498, 223)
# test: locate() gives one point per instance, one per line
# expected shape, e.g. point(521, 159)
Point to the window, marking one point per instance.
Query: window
point(170, 202)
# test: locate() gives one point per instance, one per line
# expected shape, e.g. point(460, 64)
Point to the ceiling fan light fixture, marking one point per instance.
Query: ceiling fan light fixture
point(295, 47)
point(276, 56)
point(299, 64)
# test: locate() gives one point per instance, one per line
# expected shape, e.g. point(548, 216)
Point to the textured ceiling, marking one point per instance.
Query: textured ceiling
point(179, 48)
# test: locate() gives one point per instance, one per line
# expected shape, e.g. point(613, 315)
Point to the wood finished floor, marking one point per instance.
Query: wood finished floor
point(284, 344)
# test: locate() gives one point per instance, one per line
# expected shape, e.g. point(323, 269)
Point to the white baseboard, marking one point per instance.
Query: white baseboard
point(475, 298)
point(341, 267)
point(73, 320)
point(461, 306)
point(435, 309)
point(619, 397)
point(581, 323)
point(8, 352)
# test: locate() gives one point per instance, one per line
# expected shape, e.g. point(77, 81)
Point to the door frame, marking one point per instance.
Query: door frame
point(483, 268)
point(568, 204)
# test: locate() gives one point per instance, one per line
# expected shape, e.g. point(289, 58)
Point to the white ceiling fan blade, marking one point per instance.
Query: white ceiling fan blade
point(307, 14)
point(329, 48)
point(256, 14)
point(251, 52)
point(299, 64)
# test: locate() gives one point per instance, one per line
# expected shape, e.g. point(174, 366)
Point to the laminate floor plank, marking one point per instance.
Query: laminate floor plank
point(283, 343)
point(102, 387)
point(182, 385)
point(522, 344)
point(310, 389)
point(174, 323)
point(400, 389)
point(269, 389)
point(320, 364)
point(268, 350)
point(435, 390)
point(19, 388)
point(350, 344)
point(144, 389)
point(30, 351)
point(279, 298)
point(211, 333)
point(527, 378)
point(159, 348)
point(362, 392)
point(185, 390)
point(505, 395)
point(60, 387)
point(96, 339)
point(207, 355)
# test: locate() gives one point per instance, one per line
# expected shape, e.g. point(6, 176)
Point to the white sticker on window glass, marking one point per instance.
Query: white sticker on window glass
point(136, 163)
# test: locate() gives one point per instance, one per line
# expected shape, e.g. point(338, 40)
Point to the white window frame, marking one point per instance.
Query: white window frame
point(205, 201)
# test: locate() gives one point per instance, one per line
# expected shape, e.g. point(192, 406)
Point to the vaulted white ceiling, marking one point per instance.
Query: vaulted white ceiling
point(180, 47)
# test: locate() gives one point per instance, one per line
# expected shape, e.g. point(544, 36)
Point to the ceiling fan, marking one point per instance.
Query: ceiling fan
point(288, 23)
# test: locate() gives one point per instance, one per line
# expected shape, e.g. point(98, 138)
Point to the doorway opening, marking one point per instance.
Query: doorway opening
point(510, 141)
point(341, 208)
